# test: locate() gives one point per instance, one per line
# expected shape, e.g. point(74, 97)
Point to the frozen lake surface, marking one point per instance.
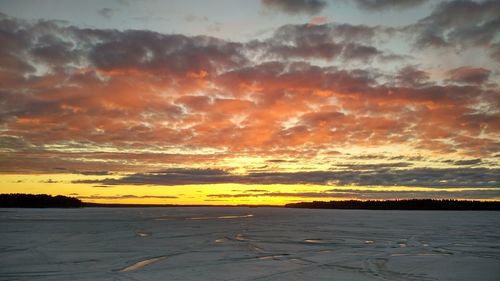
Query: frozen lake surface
point(214, 244)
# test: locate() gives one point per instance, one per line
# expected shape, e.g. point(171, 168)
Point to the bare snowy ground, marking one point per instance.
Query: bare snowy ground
point(247, 244)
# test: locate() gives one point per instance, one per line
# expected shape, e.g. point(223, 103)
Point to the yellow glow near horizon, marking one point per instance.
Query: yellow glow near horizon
point(207, 194)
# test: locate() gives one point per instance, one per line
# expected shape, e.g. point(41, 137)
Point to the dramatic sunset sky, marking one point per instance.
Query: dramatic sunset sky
point(250, 102)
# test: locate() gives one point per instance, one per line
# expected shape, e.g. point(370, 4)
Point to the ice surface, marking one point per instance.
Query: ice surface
point(248, 244)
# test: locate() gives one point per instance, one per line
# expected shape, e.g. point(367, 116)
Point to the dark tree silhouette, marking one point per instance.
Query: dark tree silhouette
point(18, 200)
point(410, 204)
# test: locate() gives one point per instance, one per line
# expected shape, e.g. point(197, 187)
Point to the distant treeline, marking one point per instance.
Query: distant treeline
point(411, 204)
point(18, 200)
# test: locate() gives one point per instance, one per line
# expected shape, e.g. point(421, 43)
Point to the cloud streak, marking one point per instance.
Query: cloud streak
point(369, 194)
point(368, 176)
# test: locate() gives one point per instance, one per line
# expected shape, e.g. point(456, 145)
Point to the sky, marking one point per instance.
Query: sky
point(250, 102)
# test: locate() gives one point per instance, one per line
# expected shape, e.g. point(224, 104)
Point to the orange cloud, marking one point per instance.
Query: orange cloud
point(135, 91)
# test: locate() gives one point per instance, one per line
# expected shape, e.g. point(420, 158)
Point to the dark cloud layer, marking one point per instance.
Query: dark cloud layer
point(417, 177)
point(369, 194)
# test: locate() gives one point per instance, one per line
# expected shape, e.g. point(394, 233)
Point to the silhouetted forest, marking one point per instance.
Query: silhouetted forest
point(18, 200)
point(411, 204)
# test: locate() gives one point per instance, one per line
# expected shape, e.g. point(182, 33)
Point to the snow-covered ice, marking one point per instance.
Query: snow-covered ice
point(248, 244)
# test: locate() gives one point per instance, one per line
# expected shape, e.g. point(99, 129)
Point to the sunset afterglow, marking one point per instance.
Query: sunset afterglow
point(250, 102)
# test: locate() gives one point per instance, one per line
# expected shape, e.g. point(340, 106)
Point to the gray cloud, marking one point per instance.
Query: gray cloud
point(281, 161)
point(417, 177)
point(387, 4)
point(59, 45)
point(93, 173)
point(170, 177)
point(468, 162)
point(296, 6)
point(174, 54)
point(469, 75)
point(361, 52)
point(327, 41)
point(14, 143)
point(374, 166)
point(460, 24)
point(370, 194)
point(106, 12)
point(411, 76)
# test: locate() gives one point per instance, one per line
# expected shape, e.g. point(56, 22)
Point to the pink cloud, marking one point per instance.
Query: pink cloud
point(317, 20)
